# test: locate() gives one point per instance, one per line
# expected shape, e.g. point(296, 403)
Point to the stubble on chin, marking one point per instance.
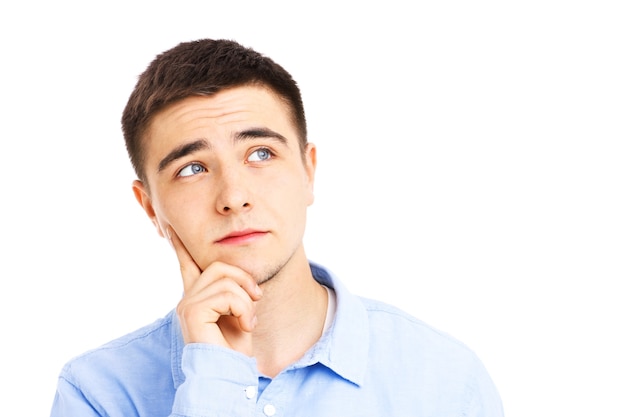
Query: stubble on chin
point(271, 272)
point(268, 274)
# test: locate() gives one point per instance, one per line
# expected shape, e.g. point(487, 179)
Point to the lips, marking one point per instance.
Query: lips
point(241, 237)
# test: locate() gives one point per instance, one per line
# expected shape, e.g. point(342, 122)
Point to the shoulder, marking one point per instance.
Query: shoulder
point(142, 347)
point(393, 329)
point(380, 312)
point(385, 347)
point(410, 352)
point(386, 326)
point(123, 374)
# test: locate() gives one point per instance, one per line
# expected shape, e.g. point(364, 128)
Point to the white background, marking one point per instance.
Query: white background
point(471, 170)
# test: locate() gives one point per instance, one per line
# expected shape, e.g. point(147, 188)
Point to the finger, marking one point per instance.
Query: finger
point(189, 270)
point(220, 270)
point(200, 312)
point(193, 276)
point(224, 298)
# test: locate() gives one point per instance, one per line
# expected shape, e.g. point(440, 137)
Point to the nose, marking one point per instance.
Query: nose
point(233, 195)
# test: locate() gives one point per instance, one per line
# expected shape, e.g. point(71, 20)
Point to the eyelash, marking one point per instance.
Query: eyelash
point(263, 149)
point(203, 169)
point(270, 155)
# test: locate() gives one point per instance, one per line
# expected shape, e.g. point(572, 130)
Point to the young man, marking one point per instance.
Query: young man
point(217, 135)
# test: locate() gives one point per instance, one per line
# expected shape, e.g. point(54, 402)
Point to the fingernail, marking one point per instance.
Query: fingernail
point(168, 236)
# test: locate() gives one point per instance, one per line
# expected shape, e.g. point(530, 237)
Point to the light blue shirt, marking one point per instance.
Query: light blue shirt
point(374, 360)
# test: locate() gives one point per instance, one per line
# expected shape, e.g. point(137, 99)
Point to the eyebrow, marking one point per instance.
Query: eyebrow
point(202, 144)
point(259, 132)
point(182, 151)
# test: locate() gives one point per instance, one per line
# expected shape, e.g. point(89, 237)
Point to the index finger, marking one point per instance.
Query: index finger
point(189, 269)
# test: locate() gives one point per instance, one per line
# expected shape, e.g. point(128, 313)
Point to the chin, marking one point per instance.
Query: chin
point(265, 273)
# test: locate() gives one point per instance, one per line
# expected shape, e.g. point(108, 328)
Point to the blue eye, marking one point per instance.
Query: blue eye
point(191, 169)
point(261, 154)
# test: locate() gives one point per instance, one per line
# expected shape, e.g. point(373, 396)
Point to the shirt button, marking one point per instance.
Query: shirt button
point(250, 392)
point(269, 410)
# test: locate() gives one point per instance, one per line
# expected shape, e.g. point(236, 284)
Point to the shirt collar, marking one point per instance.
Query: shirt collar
point(343, 348)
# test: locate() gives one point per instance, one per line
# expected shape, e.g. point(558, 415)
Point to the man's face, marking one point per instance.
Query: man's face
point(226, 173)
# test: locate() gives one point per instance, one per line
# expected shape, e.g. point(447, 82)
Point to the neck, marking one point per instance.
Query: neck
point(291, 318)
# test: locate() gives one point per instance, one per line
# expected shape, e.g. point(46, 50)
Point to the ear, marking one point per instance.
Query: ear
point(310, 164)
point(145, 201)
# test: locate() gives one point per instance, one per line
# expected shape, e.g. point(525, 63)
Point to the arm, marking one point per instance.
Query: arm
point(69, 401)
point(484, 400)
point(221, 378)
point(217, 316)
point(218, 382)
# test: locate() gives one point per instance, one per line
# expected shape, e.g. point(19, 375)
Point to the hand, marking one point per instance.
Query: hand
point(218, 306)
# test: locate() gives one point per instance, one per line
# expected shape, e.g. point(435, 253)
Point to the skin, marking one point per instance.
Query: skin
point(229, 187)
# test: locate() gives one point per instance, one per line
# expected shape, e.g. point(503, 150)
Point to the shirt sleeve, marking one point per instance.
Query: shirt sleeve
point(218, 382)
point(69, 401)
point(484, 399)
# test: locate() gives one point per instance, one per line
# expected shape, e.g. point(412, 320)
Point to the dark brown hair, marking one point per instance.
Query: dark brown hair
point(202, 68)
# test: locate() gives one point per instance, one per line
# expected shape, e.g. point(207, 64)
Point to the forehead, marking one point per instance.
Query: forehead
point(240, 104)
point(219, 116)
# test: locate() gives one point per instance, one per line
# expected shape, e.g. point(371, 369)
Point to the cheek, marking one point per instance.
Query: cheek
point(175, 218)
point(160, 222)
point(307, 191)
point(168, 213)
point(294, 203)
point(310, 196)
point(186, 217)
